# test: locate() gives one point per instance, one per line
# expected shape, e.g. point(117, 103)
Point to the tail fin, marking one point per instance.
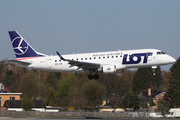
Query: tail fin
point(22, 48)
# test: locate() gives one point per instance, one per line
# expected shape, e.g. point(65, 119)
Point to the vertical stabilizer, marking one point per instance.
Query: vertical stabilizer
point(22, 48)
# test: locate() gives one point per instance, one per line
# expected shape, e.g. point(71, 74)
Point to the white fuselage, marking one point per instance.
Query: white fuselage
point(121, 59)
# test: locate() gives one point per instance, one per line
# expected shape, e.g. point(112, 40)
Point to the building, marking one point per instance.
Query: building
point(39, 105)
point(6, 94)
point(156, 95)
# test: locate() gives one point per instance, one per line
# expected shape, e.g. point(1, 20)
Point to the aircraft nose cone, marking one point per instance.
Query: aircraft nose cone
point(172, 60)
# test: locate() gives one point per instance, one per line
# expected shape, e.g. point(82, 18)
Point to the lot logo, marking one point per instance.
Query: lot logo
point(19, 45)
point(135, 58)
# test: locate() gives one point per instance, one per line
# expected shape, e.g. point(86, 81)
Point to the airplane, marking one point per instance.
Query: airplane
point(105, 62)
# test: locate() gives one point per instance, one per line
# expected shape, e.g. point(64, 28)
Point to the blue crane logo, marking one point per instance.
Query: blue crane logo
point(20, 46)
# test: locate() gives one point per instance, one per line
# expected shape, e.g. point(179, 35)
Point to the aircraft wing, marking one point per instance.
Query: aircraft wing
point(80, 64)
point(19, 63)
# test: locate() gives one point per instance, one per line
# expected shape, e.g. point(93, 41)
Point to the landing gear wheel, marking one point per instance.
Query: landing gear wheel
point(96, 77)
point(90, 76)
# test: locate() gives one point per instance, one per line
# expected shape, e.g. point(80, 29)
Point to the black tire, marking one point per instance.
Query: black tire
point(96, 77)
point(90, 77)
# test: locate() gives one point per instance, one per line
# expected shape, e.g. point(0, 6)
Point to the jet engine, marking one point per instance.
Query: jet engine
point(109, 69)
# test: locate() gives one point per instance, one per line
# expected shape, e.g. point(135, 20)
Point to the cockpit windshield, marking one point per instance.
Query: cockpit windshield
point(159, 53)
point(163, 52)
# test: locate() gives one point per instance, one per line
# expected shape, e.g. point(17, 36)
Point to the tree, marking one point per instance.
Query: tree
point(63, 91)
point(52, 79)
point(174, 87)
point(109, 81)
point(135, 102)
point(93, 92)
point(29, 85)
point(174, 95)
point(114, 101)
point(163, 107)
point(143, 102)
point(157, 78)
point(175, 69)
point(130, 101)
point(3, 69)
point(27, 103)
point(77, 100)
point(51, 98)
point(151, 102)
point(10, 78)
point(119, 84)
point(142, 79)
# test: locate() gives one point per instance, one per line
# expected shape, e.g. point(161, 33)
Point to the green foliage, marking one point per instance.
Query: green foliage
point(157, 79)
point(93, 92)
point(3, 69)
point(174, 96)
point(163, 107)
point(151, 102)
point(143, 102)
point(52, 79)
point(63, 91)
point(64, 88)
point(142, 79)
point(9, 78)
point(130, 101)
point(174, 87)
point(29, 85)
point(51, 98)
point(27, 104)
point(175, 69)
point(114, 101)
point(77, 101)
point(120, 84)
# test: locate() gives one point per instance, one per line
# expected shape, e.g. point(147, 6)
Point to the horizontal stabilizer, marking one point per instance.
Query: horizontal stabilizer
point(19, 63)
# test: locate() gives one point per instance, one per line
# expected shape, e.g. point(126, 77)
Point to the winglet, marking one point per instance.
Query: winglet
point(60, 56)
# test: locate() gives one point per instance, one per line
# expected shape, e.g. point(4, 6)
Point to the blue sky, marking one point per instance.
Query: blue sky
point(81, 26)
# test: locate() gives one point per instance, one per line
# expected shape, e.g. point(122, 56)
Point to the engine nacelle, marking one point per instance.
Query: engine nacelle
point(109, 69)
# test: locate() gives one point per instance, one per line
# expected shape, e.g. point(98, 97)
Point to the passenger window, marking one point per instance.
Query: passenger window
point(112, 56)
point(99, 57)
point(85, 58)
point(103, 57)
point(94, 57)
point(107, 56)
point(59, 60)
point(116, 56)
point(55, 60)
point(90, 58)
point(81, 58)
point(77, 59)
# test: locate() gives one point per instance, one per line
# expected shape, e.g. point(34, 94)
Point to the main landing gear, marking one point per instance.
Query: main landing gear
point(90, 76)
